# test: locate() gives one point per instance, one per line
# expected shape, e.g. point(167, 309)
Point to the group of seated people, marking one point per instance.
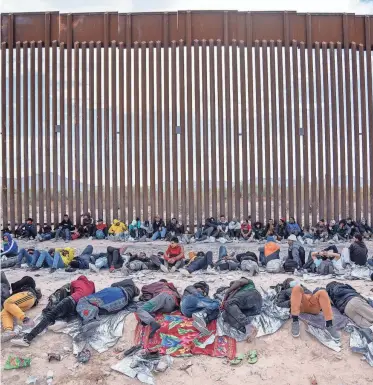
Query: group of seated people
point(236, 303)
point(222, 230)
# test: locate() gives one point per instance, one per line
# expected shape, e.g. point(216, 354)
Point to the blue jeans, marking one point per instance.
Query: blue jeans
point(159, 234)
point(29, 258)
point(200, 263)
point(101, 263)
point(262, 258)
point(45, 237)
point(63, 233)
point(55, 262)
point(222, 252)
point(197, 302)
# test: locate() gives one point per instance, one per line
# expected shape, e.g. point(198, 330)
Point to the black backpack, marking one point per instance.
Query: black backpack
point(248, 256)
point(290, 265)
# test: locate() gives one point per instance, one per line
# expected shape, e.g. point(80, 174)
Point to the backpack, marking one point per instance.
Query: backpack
point(290, 265)
point(326, 267)
point(250, 266)
point(100, 234)
point(248, 255)
point(274, 266)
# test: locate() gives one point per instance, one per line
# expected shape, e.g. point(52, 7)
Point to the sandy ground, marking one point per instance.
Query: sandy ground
point(282, 359)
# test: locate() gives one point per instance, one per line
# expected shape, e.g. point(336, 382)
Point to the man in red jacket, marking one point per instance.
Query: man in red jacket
point(79, 288)
point(161, 296)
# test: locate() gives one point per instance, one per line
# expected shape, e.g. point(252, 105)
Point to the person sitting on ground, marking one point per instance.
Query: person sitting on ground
point(115, 257)
point(24, 296)
point(354, 228)
point(162, 297)
point(280, 229)
point(296, 252)
point(100, 231)
point(343, 231)
point(246, 230)
point(107, 301)
point(349, 302)
point(292, 227)
point(29, 256)
point(81, 261)
point(309, 234)
point(9, 248)
point(225, 261)
point(26, 230)
point(332, 229)
point(159, 229)
point(173, 257)
point(79, 288)
point(222, 228)
point(134, 228)
point(271, 250)
point(197, 261)
point(65, 227)
point(301, 300)
point(209, 229)
point(321, 230)
point(269, 230)
point(174, 229)
point(234, 229)
point(117, 230)
point(241, 301)
point(197, 304)
point(324, 262)
point(86, 229)
point(45, 233)
point(137, 262)
point(146, 230)
point(365, 230)
point(258, 231)
point(357, 252)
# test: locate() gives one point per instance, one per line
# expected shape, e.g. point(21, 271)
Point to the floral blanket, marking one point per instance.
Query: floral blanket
point(178, 337)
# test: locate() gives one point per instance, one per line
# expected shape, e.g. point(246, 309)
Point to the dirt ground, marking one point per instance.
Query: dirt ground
point(282, 360)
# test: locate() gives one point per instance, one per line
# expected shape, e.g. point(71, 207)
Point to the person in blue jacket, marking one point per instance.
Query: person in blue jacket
point(292, 227)
point(9, 250)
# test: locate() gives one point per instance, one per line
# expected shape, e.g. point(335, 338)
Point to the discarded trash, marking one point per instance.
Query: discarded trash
point(54, 356)
point(14, 362)
point(31, 380)
point(84, 356)
point(50, 377)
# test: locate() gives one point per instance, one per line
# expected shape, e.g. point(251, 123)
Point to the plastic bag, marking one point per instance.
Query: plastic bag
point(14, 362)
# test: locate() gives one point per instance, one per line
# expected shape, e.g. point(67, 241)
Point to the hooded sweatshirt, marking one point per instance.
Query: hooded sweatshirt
point(66, 258)
point(152, 290)
point(10, 247)
point(358, 253)
point(117, 227)
point(81, 287)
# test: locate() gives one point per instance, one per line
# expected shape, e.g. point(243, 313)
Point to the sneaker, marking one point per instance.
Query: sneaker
point(52, 270)
point(333, 332)
point(16, 267)
point(199, 322)
point(112, 269)
point(93, 268)
point(67, 241)
point(90, 238)
point(154, 327)
point(20, 342)
point(7, 335)
point(70, 270)
point(28, 322)
point(55, 240)
point(34, 268)
point(163, 268)
point(184, 272)
point(295, 329)
point(173, 269)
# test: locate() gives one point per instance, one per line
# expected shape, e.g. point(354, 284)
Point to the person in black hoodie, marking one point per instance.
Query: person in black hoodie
point(87, 228)
point(64, 229)
point(348, 301)
point(354, 228)
point(27, 229)
point(159, 228)
point(280, 229)
point(358, 250)
point(258, 231)
point(209, 229)
point(365, 230)
point(174, 229)
point(45, 233)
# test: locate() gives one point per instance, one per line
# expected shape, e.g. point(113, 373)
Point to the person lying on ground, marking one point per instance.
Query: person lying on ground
point(241, 300)
point(81, 261)
point(225, 261)
point(197, 261)
point(98, 262)
point(365, 230)
point(300, 300)
point(5, 289)
point(197, 304)
point(79, 288)
point(115, 257)
point(9, 247)
point(86, 229)
point(258, 231)
point(292, 227)
point(248, 262)
point(117, 229)
point(173, 257)
point(138, 262)
point(45, 233)
point(159, 228)
point(59, 258)
point(107, 301)
point(162, 297)
point(271, 250)
point(349, 302)
point(246, 230)
point(174, 229)
point(64, 229)
point(100, 230)
point(26, 230)
point(280, 229)
point(29, 256)
point(24, 296)
point(234, 229)
point(357, 252)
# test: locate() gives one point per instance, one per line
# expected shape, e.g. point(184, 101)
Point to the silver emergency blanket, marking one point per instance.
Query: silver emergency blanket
point(269, 321)
point(360, 342)
point(142, 368)
point(323, 336)
point(100, 334)
point(318, 321)
point(359, 272)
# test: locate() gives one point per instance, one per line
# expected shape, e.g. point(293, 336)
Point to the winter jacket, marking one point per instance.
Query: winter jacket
point(153, 289)
point(176, 228)
point(45, 229)
point(340, 294)
point(210, 222)
point(292, 228)
point(101, 226)
point(26, 284)
point(280, 230)
point(66, 225)
point(271, 251)
point(134, 225)
point(117, 227)
point(223, 225)
point(87, 219)
point(66, 258)
point(358, 253)
point(5, 289)
point(283, 298)
point(332, 230)
point(81, 287)
point(297, 253)
point(158, 225)
point(258, 229)
point(320, 229)
point(343, 231)
point(364, 228)
point(234, 225)
point(11, 247)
